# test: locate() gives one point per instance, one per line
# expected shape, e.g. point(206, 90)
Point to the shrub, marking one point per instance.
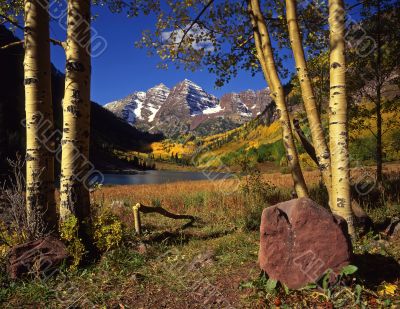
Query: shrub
point(108, 230)
point(69, 229)
point(258, 194)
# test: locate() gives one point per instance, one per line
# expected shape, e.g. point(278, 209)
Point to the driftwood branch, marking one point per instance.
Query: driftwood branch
point(147, 209)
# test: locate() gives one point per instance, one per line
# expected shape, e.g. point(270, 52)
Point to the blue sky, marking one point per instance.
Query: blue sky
point(123, 69)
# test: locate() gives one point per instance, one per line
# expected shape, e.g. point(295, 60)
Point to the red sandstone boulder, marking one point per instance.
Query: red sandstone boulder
point(36, 257)
point(300, 241)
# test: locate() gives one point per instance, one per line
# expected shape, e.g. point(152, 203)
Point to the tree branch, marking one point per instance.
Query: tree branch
point(14, 23)
point(308, 147)
point(372, 132)
point(194, 22)
point(54, 41)
point(59, 43)
point(12, 44)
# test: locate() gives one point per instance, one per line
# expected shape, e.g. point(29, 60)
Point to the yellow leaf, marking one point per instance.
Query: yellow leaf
point(387, 289)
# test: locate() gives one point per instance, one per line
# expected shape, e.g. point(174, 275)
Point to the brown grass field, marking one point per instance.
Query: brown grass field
point(155, 270)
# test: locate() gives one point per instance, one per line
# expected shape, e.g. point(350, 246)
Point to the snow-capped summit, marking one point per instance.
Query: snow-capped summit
point(195, 96)
point(185, 106)
point(129, 108)
point(140, 108)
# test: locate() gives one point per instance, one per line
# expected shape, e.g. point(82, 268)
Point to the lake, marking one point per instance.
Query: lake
point(159, 177)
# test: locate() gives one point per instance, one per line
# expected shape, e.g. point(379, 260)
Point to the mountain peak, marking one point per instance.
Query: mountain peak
point(189, 82)
point(160, 85)
point(183, 107)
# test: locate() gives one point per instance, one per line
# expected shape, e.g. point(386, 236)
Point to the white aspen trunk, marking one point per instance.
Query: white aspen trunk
point(310, 104)
point(338, 123)
point(278, 96)
point(75, 163)
point(40, 200)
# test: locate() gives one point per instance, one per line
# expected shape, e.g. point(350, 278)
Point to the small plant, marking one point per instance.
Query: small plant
point(107, 230)
point(15, 228)
point(69, 233)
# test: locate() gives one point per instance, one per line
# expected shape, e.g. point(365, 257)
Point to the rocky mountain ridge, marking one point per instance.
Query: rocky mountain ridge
point(186, 106)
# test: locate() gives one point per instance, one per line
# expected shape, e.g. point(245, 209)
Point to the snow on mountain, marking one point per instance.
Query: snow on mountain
point(129, 108)
point(197, 99)
point(185, 106)
point(140, 107)
point(213, 110)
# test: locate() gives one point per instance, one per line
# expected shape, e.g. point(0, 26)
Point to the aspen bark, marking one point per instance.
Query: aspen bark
point(40, 200)
point(310, 104)
point(278, 95)
point(75, 165)
point(338, 123)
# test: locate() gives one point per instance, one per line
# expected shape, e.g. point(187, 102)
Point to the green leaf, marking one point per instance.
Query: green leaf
point(349, 270)
point(246, 285)
point(325, 279)
point(358, 289)
point(309, 286)
point(271, 285)
point(286, 289)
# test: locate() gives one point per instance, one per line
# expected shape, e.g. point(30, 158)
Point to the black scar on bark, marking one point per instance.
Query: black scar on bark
point(76, 93)
point(30, 81)
point(73, 110)
point(335, 65)
point(29, 157)
point(75, 66)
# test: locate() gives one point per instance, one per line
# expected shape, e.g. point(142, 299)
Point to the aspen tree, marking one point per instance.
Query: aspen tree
point(310, 105)
point(338, 124)
point(75, 163)
point(278, 95)
point(40, 201)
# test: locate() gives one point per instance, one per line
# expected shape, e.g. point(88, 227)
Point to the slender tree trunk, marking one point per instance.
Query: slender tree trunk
point(379, 137)
point(75, 163)
point(338, 124)
point(40, 201)
point(379, 101)
point(278, 95)
point(310, 104)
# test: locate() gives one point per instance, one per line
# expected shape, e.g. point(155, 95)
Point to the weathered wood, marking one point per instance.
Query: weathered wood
point(136, 215)
point(148, 209)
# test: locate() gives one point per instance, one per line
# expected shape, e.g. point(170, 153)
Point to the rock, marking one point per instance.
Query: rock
point(300, 241)
point(36, 257)
point(393, 228)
